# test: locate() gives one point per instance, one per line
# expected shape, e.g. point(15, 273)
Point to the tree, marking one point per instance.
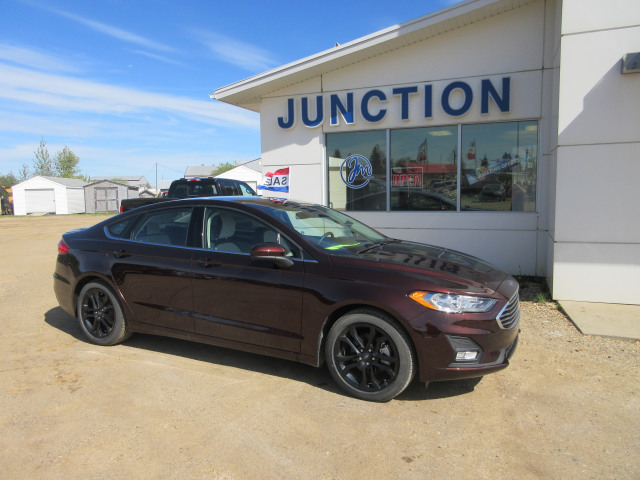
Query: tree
point(7, 181)
point(223, 167)
point(66, 164)
point(24, 173)
point(43, 164)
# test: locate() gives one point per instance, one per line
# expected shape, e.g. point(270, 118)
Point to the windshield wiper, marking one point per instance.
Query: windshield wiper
point(377, 245)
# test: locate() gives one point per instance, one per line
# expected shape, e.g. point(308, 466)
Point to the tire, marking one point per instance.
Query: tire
point(370, 356)
point(100, 315)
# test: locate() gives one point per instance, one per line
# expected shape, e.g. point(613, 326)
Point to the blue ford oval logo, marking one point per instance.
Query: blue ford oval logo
point(356, 171)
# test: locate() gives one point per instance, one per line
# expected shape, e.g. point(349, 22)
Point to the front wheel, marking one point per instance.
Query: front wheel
point(370, 356)
point(100, 315)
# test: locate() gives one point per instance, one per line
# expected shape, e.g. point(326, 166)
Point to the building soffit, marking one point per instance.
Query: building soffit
point(249, 92)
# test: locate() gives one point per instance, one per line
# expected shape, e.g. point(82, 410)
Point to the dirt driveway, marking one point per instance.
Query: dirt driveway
point(567, 407)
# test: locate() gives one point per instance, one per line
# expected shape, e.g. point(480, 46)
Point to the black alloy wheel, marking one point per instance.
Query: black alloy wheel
point(370, 357)
point(100, 315)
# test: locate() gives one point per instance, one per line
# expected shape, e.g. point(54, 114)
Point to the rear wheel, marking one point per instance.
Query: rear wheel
point(370, 356)
point(100, 315)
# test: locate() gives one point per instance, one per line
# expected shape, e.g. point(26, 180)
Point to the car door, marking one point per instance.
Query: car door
point(241, 299)
point(152, 269)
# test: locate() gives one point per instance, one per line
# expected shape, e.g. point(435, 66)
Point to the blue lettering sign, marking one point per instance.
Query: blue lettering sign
point(488, 89)
point(338, 106)
point(319, 112)
point(282, 123)
point(364, 106)
point(342, 104)
point(468, 98)
point(404, 93)
point(358, 171)
point(428, 101)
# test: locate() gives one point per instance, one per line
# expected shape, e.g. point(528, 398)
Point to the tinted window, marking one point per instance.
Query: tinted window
point(357, 170)
point(166, 227)
point(424, 168)
point(499, 170)
point(236, 232)
point(120, 228)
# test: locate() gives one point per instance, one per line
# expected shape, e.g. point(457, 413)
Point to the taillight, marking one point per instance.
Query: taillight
point(62, 247)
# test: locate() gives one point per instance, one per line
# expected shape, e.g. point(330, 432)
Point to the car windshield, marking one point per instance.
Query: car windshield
point(327, 229)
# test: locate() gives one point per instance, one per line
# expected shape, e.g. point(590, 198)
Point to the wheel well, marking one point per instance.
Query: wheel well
point(80, 285)
point(335, 315)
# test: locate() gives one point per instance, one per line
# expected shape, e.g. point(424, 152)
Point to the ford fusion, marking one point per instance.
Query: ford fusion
point(295, 281)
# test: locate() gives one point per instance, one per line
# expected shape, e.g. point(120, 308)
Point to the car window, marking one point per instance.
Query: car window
point(119, 229)
point(236, 232)
point(245, 189)
point(169, 226)
point(228, 188)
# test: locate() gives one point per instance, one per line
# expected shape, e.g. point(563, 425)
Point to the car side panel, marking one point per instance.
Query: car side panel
point(155, 281)
point(245, 300)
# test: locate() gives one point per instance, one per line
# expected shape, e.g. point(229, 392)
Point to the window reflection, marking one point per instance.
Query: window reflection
point(498, 165)
point(368, 190)
point(424, 168)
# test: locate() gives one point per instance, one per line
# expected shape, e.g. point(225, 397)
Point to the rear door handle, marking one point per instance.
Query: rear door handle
point(121, 254)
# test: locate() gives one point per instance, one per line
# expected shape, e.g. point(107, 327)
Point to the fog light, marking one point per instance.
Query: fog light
point(468, 356)
point(465, 350)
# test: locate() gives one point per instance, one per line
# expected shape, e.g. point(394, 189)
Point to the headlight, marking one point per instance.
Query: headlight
point(450, 303)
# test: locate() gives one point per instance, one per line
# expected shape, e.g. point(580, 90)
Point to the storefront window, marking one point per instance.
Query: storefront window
point(498, 168)
point(424, 168)
point(499, 165)
point(357, 170)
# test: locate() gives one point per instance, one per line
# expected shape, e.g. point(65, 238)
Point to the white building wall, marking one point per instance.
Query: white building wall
point(511, 240)
point(244, 174)
point(596, 234)
point(75, 200)
point(35, 183)
point(67, 199)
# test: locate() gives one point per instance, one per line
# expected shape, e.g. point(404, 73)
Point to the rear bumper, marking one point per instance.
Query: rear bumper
point(62, 286)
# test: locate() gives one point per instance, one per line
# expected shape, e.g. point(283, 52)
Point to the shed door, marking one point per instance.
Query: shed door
point(40, 200)
point(106, 199)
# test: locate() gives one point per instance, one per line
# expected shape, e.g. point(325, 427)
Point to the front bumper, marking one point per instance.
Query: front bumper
point(467, 346)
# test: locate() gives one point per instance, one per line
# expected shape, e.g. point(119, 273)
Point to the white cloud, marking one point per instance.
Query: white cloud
point(33, 59)
point(76, 95)
point(114, 32)
point(243, 55)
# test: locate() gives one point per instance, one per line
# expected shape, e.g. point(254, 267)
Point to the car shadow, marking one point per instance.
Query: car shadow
point(316, 377)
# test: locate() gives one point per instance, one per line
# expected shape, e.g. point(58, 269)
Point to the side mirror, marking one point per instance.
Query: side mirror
point(271, 252)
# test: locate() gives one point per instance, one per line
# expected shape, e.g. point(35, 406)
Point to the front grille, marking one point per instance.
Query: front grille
point(510, 314)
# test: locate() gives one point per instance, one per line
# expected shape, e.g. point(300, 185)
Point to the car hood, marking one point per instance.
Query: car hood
point(455, 269)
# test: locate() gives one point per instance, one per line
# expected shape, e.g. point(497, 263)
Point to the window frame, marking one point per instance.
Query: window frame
point(459, 201)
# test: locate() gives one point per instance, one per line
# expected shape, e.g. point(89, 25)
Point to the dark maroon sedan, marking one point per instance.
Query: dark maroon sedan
point(295, 281)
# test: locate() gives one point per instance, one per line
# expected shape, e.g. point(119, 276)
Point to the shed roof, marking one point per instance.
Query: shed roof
point(67, 182)
point(249, 92)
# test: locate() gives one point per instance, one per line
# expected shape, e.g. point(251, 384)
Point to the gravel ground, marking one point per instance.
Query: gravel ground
point(567, 407)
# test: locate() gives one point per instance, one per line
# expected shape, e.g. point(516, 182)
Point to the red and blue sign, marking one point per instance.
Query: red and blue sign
point(277, 181)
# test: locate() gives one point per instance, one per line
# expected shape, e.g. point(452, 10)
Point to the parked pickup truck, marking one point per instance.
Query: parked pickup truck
point(193, 187)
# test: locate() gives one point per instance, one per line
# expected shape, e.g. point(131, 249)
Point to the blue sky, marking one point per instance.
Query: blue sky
point(125, 84)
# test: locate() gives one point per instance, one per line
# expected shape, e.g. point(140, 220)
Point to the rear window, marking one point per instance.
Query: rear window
point(118, 229)
point(194, 189)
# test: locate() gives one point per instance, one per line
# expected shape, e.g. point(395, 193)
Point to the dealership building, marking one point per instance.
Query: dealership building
point(508, 129)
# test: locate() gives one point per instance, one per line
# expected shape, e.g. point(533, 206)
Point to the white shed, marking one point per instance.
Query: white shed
point(245, 174)
point(49, 195)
